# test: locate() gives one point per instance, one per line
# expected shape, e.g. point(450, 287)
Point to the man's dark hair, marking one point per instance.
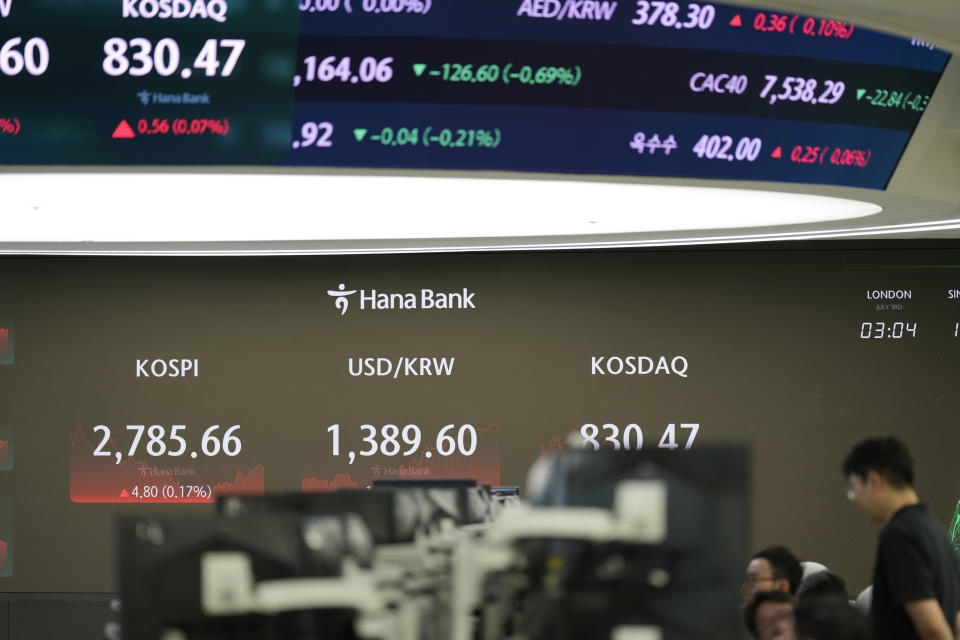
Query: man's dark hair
point(829, 619)
point(750, 613)
point(823, 584)
point(785, 565)
point(888, 456)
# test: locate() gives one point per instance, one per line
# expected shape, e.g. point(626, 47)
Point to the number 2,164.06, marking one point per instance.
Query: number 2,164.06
point(332, 68)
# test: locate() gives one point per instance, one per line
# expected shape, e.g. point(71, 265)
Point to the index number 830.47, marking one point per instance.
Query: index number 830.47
point(631, 438)
point(164, 58)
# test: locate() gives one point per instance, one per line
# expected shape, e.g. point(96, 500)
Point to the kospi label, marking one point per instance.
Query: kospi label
point(425, 299)
point(168, 368)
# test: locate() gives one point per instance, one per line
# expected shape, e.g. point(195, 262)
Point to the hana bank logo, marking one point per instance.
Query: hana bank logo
point(341, 297)
point(424, 299)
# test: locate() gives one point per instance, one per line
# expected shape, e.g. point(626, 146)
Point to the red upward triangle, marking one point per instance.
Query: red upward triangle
point(123, 130)
point(736, 22)
point(776, 153)
point(124, 494)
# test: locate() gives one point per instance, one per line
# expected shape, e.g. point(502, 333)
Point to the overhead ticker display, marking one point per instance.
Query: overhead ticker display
point(645, 88)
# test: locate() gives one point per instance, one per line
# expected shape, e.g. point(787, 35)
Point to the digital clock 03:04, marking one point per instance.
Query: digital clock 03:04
point(893, 330)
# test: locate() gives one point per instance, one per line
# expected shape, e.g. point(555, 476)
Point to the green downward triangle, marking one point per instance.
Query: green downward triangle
point(860, 93)
point(419, 68)
point(359, 134)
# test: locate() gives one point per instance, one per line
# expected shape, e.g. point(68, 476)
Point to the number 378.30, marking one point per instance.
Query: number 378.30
point(631, 438)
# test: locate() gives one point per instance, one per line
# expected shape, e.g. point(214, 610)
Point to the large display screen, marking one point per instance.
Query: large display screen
point(645, 87)
point(151, 385)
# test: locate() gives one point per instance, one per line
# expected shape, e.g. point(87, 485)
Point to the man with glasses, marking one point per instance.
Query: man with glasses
point(771, 569)
point(916, 577)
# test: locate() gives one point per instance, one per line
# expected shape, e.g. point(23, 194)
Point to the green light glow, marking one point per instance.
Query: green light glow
point(955, 528)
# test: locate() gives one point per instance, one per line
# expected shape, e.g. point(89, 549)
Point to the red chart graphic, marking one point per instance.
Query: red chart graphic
point(6, 538)
point(6, 448)
point(99, 479)
point(483, 466)
point(557, 443)
point(5, 351)
point(340, 481)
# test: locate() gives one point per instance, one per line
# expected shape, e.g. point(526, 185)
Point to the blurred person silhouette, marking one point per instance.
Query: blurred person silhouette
point(822, 585)
point(769, 616)
point(916, 576)
point(829, 619)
